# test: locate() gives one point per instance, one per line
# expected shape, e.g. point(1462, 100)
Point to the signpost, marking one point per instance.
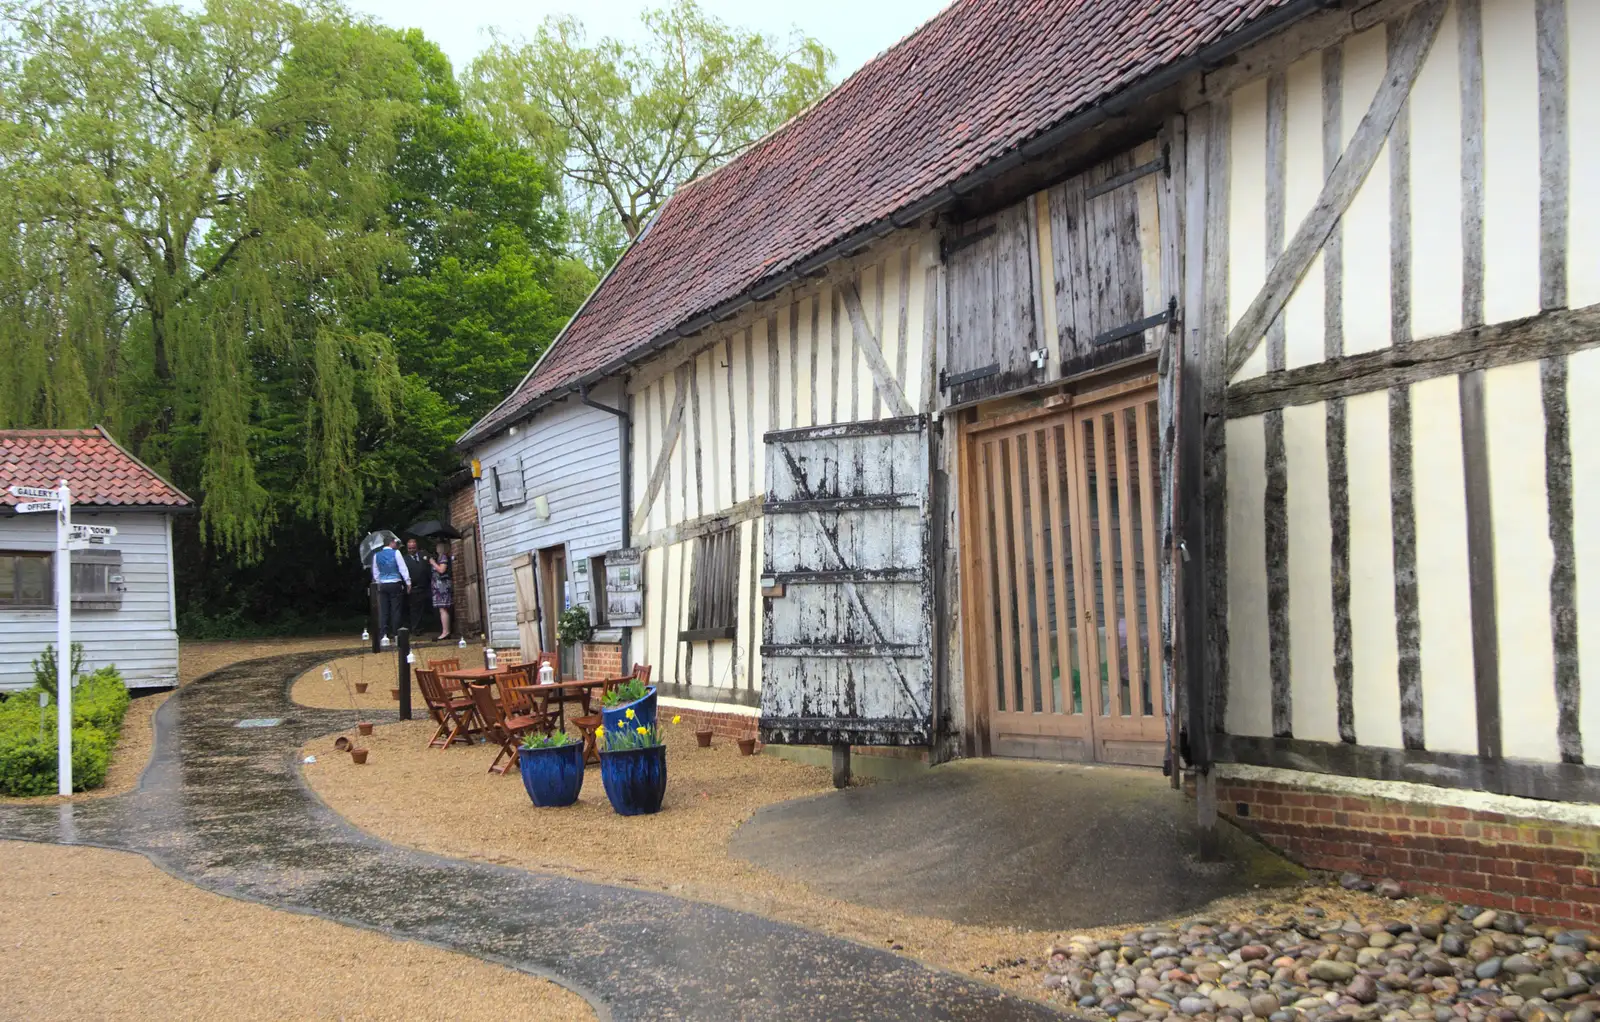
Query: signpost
point(60, 501)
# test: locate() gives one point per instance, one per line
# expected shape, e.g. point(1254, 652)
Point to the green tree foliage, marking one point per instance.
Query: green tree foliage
point(628, 123)
point(199, 199)
point(288, 257)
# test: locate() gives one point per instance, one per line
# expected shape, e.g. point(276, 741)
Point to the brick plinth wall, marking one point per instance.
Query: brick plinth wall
point(602, 660)
point(1537, 867)
point(727, 726)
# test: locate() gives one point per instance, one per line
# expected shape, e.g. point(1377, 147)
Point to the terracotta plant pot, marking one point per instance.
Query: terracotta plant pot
point(341, 744)
point(361, 688)
point(704, 738)
point(394, 694)
point(364, 727)
point(359, 755)
point(747, 746)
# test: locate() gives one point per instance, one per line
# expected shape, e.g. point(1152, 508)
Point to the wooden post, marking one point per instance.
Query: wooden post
point(372, 615)
point(1205, 797)
point(402, 646)
point(841, 764)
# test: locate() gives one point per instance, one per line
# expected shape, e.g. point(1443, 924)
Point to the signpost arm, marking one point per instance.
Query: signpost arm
point(64, 642)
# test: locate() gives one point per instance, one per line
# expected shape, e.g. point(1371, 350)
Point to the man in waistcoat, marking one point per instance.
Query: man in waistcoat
point(419, 599)
point(389, 571)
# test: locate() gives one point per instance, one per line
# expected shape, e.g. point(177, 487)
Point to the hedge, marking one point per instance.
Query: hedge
point(28, 751)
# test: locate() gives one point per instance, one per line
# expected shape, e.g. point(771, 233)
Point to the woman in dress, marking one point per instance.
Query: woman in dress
point(443, 589)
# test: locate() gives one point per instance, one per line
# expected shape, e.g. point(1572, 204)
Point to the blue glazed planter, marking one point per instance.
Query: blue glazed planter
point(635, 779)
point(552, 776)
point(644, 712)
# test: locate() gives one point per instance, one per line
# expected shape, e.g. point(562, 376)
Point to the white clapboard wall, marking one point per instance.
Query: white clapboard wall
point(139, 637)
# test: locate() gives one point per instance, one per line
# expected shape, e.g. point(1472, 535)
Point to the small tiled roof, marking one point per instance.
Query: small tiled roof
point(97, 469)
point(969, 87)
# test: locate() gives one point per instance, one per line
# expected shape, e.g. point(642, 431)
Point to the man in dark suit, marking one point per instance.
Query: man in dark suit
point(419, 601)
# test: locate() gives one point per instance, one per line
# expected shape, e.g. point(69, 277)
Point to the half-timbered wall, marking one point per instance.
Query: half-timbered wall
point(854, 344)
point(1404, 517)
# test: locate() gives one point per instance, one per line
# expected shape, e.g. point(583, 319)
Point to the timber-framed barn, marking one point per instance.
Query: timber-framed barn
point(1198, 383)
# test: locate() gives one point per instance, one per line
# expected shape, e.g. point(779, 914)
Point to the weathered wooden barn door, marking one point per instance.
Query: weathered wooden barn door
point(522, 578)
point(846, 631)
point(992, 344)
point(1063, 609)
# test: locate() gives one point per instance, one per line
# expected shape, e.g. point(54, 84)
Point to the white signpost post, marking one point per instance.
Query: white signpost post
point(59, 501)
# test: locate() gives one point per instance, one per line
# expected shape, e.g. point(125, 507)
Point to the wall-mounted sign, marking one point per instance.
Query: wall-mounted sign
point(625, 588)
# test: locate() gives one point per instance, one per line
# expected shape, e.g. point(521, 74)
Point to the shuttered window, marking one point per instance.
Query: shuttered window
point(507, 483)
point(27, 579)
point(714, 588)
point(97, 582)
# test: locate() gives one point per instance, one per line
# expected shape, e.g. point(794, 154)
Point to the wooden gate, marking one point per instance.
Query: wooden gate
point(1062, 580)
point(846, 634)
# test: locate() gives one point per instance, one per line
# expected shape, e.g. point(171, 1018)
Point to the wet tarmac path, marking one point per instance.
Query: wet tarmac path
point(225, 808)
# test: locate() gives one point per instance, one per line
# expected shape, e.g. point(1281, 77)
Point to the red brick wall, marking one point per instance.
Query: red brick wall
point(602, 660)
point(730, 726)
point(463, 513)
point(1527, 865)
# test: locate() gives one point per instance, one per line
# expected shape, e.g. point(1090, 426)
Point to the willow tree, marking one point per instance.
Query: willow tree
point(198, 199)
point(630, 122)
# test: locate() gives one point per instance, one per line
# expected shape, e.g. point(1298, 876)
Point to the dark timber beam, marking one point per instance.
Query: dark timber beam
point(1547, 335)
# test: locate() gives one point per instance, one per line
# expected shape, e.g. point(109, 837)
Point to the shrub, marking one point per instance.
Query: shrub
point(100, 701)
point(28, 759)
point(573, 626)
point(28, 745)
point(44, 668)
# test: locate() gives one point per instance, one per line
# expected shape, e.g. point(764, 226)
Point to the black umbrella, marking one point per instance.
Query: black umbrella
point(432, 527)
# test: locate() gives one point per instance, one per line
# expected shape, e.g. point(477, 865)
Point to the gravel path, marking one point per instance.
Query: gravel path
point(89, 933)
point(222, 806)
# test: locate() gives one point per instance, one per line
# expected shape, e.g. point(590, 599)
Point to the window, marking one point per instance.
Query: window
point(507, 476)
point(97, 579)
point(714, 587)
point(597, 593)
point(27, 579)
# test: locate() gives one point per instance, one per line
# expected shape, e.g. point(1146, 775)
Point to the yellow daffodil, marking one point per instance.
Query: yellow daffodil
point(676, 718)
point(629, 715)
point(642, 730)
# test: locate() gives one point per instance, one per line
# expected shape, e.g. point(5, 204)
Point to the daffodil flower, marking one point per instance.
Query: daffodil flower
point(642, 730)
point(676, 718)
point(629, 715)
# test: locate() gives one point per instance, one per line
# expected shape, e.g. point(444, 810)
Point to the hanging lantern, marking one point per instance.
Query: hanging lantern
point(327, 674)
point(462, 643)
point(411, 658)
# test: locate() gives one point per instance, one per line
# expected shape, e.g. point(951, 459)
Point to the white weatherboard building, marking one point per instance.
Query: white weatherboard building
point(124, 603)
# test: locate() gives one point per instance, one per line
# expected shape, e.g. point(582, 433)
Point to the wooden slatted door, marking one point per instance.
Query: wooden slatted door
point(1059, 512)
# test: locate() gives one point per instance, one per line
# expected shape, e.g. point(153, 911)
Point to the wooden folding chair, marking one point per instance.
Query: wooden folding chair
point(448, 684)
point(453, 713)
point(518, 702)
point(497, 728)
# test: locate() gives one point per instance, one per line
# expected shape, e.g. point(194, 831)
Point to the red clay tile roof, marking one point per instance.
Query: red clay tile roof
point(97, 470)
point(975, 82)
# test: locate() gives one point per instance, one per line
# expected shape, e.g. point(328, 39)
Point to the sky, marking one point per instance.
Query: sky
point(854, 31)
